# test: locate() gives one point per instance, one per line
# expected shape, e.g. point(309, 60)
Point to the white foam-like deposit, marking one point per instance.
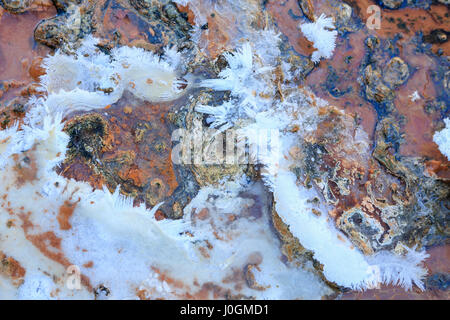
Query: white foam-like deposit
point(323, 34)
point(442, 139)
point(91, 79)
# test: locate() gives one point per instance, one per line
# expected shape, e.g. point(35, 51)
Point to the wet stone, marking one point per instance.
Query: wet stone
point(15, 6)
point(65, 28)
point(391, 4)
point(396, 72)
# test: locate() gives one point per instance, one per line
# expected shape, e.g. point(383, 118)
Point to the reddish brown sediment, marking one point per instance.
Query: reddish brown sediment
point(79, 171)
point(438, 260)
point(36, 70)
point(222, 28)
point(396, 293)
point(345, 92)
point(48, 244)
point(283, 13)
point(136, 148)
point(190, 14)
point(407, 21)
point(11, 268)
point(140, 141)
point(65, 213)
point(438, 168)
point(26, 168)
point(348, 71)
point(123, 21)
point(419, 126)
point(19, 53)
point(118, 22)
point(20, 57)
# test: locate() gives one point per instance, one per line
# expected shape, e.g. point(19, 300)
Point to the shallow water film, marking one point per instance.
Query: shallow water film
point(224, 149)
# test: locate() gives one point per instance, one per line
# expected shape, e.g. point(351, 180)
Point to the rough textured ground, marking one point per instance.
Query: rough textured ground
point(372, 75)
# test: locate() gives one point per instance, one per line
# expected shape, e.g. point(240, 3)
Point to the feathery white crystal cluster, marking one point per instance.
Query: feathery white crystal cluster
point(9, 140)
point(123, 247)
point(91, 79)
point(130, 251)
point(116, 245)
point(442, 139)
point(252, 114)
point(235, 18)
point(323, 34)
point(251, 86)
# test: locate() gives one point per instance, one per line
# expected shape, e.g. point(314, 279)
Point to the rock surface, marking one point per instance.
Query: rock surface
point(371, 157)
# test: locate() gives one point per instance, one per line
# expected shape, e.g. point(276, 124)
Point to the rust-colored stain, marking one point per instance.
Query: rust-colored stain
point(11, 268)
point(204, 292)
point(347, 69)
point(419, 126)
point(142, 138)
point(137, 147)
point(19, 53)
point(287, 15)
point(221, 29)
point(80, 171)
point(65, 213)
point(25, 168)
point(189, 12)
point(115, 20)
point(48, 244)
point(407, 21)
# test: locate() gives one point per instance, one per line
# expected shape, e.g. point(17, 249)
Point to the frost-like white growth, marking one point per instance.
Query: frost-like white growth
point(243, 75)
point(233, 78)
point(442, 139)
point(80, 100)
point(399, 270)
point(221, 117)
point(343, 264)
point(14, 141)
point(147, 76)
point(237, 19)
point(10, 141)
point(111, 242)
point(91, 79)
point(234, 11)
point(37, 286)
point(414, 96)
point(87, 69)
point(125, 249)
point(269, 127)
point(251, 85)
point(267, 45)
point(322, 34)
point(247, 234)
